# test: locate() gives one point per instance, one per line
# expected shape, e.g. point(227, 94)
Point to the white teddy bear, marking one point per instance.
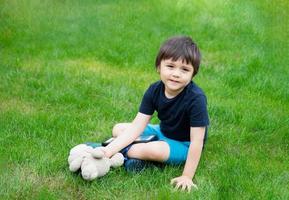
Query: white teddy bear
point(91, 161)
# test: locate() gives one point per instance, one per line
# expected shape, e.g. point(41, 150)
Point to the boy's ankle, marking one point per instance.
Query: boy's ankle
point(135, 165)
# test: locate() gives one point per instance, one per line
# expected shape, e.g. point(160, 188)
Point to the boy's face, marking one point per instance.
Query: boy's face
point(175, 75)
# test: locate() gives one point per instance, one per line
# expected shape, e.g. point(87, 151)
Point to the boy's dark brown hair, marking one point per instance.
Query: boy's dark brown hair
point(180, 47)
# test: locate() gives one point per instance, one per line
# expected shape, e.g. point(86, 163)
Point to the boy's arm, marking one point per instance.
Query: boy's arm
point(193, 158)
point(137, 127)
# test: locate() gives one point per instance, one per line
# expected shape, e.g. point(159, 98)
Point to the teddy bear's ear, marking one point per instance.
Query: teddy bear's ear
point(75, 164)
point(76, 156)
point(78, 149)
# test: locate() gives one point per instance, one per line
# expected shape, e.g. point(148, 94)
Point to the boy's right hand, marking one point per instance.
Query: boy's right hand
point(106, 151)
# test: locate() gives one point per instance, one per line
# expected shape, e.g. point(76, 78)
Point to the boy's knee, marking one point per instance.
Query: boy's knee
point(116, 130)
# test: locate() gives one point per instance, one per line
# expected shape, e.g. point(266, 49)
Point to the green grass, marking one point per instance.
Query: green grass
point(70, 70)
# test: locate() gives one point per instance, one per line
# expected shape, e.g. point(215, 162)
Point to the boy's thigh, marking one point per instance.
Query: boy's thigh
point(152, 129)
point(122, 126)
point(178, 151)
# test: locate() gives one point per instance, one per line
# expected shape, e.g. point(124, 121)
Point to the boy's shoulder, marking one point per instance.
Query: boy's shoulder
point(194, 88)
point(156, 84)
point(194, 91)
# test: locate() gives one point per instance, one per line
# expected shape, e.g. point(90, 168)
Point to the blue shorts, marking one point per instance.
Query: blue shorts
point(178, 149)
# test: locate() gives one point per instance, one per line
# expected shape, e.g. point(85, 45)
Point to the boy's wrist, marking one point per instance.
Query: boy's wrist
point(188, 175)
point(105, 151)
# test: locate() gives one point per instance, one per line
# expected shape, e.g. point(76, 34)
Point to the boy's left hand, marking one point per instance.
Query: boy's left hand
point(184, 183)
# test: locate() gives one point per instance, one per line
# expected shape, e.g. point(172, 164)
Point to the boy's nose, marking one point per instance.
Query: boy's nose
point(176, 73)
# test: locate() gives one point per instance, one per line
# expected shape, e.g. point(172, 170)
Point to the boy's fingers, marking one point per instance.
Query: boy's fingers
point(184, 186)
point(195, 186)
point(189, 188)
point(178, 185)
point(173, 181)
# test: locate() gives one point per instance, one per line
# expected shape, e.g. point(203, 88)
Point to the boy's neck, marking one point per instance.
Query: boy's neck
point(171, 95)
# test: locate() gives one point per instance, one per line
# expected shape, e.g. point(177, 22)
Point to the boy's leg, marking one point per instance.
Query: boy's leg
point(176, 150)
point(119, 128)
point(153, 151)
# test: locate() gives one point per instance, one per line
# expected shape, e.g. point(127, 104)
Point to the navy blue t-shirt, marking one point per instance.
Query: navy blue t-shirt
point(178, 114)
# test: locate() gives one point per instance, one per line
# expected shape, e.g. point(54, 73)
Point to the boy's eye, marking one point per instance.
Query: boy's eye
point(170, 66)
point(186, 70)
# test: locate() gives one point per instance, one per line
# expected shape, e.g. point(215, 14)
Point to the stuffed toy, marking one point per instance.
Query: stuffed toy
point(91, 161)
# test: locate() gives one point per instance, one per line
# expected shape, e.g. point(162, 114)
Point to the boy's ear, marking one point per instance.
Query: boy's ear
point(158, 69)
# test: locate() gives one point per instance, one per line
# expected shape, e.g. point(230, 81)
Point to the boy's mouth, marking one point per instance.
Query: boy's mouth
point(173, 81)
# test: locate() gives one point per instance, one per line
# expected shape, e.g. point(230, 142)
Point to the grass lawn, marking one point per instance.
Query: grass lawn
point(70, 70)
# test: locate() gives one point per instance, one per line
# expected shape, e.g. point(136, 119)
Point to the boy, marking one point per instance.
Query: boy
point(182, 110)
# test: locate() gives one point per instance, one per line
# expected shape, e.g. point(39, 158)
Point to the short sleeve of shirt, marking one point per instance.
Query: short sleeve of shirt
point(146, 106)
point(198, 112)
